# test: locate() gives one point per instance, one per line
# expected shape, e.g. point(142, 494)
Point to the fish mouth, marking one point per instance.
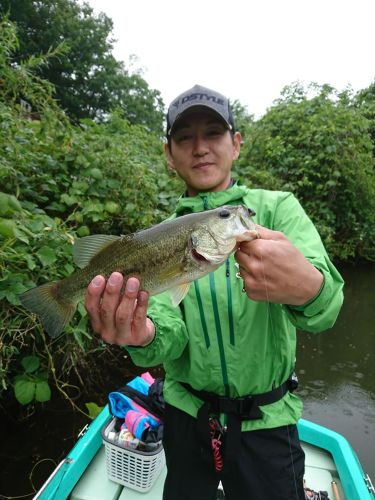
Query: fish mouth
point(244, 219)
point(245, 226)
point(197, 256)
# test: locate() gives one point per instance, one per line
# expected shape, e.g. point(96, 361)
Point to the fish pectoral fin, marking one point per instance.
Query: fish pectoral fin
point(178, 293)
point(87, 247)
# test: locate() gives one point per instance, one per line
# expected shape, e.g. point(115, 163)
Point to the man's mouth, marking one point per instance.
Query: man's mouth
point(202, 164)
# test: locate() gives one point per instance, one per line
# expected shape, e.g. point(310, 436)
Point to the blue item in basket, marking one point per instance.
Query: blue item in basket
point(122, 406)
point(140, 384)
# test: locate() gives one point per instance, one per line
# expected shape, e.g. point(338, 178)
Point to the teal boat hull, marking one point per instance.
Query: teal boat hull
point(61, 483)
point(69, 471)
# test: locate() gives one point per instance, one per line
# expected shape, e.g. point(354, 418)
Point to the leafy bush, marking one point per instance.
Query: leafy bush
point(59, 182)
point(34, 248)
point(70, 182)
point(109, 177)
point(320, 148)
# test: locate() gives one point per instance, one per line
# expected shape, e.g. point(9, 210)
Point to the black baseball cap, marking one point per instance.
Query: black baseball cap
point(199, 97)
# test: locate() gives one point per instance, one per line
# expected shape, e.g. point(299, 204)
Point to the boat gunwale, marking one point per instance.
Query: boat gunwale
point(349, 468)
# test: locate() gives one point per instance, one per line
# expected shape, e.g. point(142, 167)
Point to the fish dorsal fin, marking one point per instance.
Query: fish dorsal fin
point(178, 293)
point(87, 247)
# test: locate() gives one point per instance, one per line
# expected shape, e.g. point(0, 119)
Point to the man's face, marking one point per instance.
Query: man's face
point(202, 151)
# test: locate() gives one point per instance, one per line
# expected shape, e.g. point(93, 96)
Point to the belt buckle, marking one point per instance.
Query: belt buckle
point(245, 405)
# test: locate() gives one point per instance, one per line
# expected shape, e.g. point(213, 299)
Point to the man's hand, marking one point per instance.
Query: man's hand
point(274, 270)
point(119, 318)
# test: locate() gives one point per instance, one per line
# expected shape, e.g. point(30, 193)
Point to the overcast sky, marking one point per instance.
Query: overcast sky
point(247, 50)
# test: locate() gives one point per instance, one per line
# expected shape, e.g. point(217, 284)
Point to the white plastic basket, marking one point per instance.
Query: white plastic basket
point(133, 468)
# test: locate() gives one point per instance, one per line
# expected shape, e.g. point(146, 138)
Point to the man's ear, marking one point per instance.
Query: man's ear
point(236, 145)
point(170, 161)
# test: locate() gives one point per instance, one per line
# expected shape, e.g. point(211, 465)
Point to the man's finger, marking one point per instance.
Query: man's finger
point(92, 301)
point(258, 246)
point(268, 234)
point(125, 310)
point(110, 302)
point(140, 312)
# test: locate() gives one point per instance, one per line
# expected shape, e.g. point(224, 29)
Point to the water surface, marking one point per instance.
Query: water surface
point(336, 368)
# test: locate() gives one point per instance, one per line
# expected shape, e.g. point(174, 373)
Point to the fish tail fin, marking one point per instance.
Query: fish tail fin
point(54, 311)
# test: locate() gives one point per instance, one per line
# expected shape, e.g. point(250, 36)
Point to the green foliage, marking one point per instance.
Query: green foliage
point(319, 147)
point(97, 176)
point(18, 80)
point(365, 102)
point(93, 410)
point(89, 82)
point(242, 119)
point(32, 384)
point(38, 249)
point(58, 182)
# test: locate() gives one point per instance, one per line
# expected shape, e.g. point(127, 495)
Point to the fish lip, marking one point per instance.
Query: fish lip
point(198, 257)
point(245, 226)
point(244, 220)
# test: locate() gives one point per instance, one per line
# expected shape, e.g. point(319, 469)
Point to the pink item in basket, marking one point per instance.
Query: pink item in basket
point(147, 377)
point(136, 423)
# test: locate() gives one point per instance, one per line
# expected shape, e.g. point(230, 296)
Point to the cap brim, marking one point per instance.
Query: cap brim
point(196, 108)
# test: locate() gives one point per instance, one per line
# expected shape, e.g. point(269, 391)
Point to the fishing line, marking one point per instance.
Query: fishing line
point(271, 324)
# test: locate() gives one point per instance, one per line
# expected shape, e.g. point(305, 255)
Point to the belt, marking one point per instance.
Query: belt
point(238, 409)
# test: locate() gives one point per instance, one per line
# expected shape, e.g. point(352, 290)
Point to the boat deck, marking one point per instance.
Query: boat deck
point(95, 485)
point(320, 471)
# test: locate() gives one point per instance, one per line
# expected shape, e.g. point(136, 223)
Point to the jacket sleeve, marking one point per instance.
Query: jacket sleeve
point(171, 335)
point(321, 312)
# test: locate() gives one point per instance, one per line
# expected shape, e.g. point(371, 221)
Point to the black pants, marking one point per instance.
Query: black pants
point(269, 464)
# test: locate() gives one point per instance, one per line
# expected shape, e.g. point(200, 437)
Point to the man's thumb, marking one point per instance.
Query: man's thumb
point(268, 234)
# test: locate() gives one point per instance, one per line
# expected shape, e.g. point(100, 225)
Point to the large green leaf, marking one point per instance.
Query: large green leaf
point(93, 409)
point(8, 228)
point(42, 392)
point(46, 255)
point(24, 391)
point(9, 204)
point(30, 363)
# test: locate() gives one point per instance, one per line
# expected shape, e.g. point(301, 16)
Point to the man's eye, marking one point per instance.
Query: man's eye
point(214, 132)
point(183, 138)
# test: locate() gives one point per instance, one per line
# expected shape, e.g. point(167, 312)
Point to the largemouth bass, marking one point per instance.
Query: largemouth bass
point(168, 256)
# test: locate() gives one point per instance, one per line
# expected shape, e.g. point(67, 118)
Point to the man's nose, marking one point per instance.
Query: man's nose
point(200, 146)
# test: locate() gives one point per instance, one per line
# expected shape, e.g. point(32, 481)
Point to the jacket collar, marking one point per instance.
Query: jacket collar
point(205, 201)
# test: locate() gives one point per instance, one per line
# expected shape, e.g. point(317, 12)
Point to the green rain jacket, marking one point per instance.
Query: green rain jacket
point(221, 341)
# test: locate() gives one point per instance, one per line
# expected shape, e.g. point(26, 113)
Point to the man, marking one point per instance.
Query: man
point(229, 349)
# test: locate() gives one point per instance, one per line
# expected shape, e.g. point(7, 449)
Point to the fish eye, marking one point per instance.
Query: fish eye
point(251, 212)
point(224, 213)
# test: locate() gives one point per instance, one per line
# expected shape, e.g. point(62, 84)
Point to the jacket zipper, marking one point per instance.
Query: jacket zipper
point(230, 307)
point(201, 313)
point(219, 333)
